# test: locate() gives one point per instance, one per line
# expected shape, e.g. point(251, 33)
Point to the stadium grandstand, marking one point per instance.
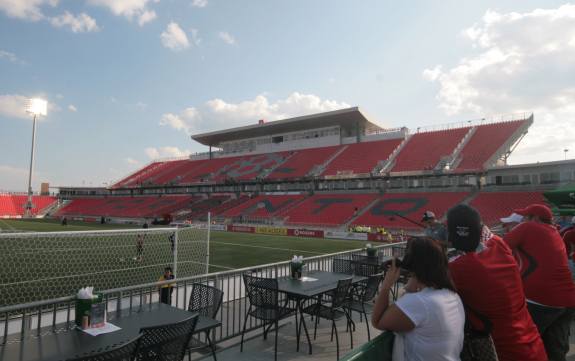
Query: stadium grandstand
point(332, 171)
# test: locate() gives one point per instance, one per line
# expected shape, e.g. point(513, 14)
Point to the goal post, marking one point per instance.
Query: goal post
point(39, 266)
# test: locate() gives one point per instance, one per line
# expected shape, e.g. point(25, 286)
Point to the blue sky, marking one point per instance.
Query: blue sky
point(129, 80)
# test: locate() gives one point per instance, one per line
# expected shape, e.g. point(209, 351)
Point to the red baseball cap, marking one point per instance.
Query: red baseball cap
point(539, 210)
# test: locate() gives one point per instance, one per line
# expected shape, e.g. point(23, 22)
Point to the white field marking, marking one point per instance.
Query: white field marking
point(92, 273)
point(91, 247)
point(219, 266)
point(8, 225)
point(265, 247)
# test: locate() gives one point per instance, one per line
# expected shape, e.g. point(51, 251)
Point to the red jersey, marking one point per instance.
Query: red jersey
point(569, 240)
point(543, 265)
point(489, 283)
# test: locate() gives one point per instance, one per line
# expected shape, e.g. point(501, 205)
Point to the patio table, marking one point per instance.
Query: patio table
point(53, 346)
point(313, 284)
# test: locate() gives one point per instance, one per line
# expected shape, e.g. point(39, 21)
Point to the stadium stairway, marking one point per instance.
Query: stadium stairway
point(346, 225)
point(385, 165)
point(453, 160)
point(266, 172)
point(316, 171)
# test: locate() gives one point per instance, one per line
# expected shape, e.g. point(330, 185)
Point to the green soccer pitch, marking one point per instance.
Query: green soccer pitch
point(227, 250)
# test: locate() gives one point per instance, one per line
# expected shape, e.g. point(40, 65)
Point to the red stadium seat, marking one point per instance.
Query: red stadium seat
point(14, 205)
point(263, 206)
point(409, 205)
point(423, 151)
point(327, 209)
point(361, 158)
point(486, 140)
point(302, 161)
point(495, 205)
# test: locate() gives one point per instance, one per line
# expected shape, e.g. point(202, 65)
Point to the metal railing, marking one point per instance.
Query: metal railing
point(57, 315)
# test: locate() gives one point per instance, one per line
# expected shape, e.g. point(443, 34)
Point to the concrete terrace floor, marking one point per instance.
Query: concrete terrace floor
point(258, 349)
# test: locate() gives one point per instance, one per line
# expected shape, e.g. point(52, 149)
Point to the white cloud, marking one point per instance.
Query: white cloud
point(14, 106)
point(166, 152)
point(218, 114)
point(174, 37)
point(72, 108)
point(146, 17)
point(81, 23)
point(129, 9)
point(227, 38)
point(30, 10)
point(11, 57)
point(132, 161)
point(521, 62)
point(199, 3)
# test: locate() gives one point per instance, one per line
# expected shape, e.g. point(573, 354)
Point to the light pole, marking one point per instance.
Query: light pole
point(565, 151)
point(36, 107)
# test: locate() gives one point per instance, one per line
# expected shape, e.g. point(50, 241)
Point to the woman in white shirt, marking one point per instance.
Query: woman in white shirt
point(429, 316)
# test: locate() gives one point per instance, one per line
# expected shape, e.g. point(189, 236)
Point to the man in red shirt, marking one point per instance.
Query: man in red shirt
point(488, 281)
point(547, 282)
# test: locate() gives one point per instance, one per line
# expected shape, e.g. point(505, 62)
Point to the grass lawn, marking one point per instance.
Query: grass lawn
point(37, 270)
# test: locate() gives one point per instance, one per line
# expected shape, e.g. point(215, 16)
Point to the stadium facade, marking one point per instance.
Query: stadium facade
point(329, 171)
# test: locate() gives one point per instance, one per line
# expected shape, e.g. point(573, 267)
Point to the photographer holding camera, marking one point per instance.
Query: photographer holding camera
point(430, 315)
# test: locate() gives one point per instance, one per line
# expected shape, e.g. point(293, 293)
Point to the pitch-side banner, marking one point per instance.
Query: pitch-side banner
point(312, 233)
point(272, 230)
point(346, 235)
point(218, 227)
point(246, 229)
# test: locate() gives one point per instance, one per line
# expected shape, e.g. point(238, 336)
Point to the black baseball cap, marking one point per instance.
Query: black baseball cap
point(464, 227)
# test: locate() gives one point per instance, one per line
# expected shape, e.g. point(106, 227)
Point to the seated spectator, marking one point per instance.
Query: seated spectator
point(433, 228)
point(508, 223)
point(490, 265)
point(547, 281)
point(430, 314)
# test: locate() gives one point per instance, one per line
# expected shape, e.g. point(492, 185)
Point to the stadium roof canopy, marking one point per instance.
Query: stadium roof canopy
point(349, 120)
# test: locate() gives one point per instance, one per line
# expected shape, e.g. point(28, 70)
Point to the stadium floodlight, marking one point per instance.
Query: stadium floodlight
point(36, 107)
point(565, 151)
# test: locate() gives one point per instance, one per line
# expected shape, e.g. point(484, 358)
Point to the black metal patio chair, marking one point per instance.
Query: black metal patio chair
point(205, 300)
point(265, 306)
point(340, 265)
point(361, 300)
point(333, 312)
point(125, 351)
point(168, 342)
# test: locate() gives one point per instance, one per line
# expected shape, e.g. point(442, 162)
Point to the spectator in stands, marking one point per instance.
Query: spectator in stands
point(64, 221)
point(166, 289)
point(433, 228)
point(569, 240)
point(490, 265)
point(510, 222)
point(547, 281)
point(430, 314)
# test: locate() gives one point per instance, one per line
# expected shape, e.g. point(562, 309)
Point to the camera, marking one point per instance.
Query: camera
point(399, 262)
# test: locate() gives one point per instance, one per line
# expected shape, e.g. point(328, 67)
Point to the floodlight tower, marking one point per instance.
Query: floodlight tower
point(36, 107)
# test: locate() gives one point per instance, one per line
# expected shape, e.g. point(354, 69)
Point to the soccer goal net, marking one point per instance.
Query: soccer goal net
point(38, 266)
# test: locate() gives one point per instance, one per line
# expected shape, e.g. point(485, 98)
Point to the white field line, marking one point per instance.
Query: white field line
point(91, 247)
point(92, 273)
point(266, 247)
point(8, 225)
